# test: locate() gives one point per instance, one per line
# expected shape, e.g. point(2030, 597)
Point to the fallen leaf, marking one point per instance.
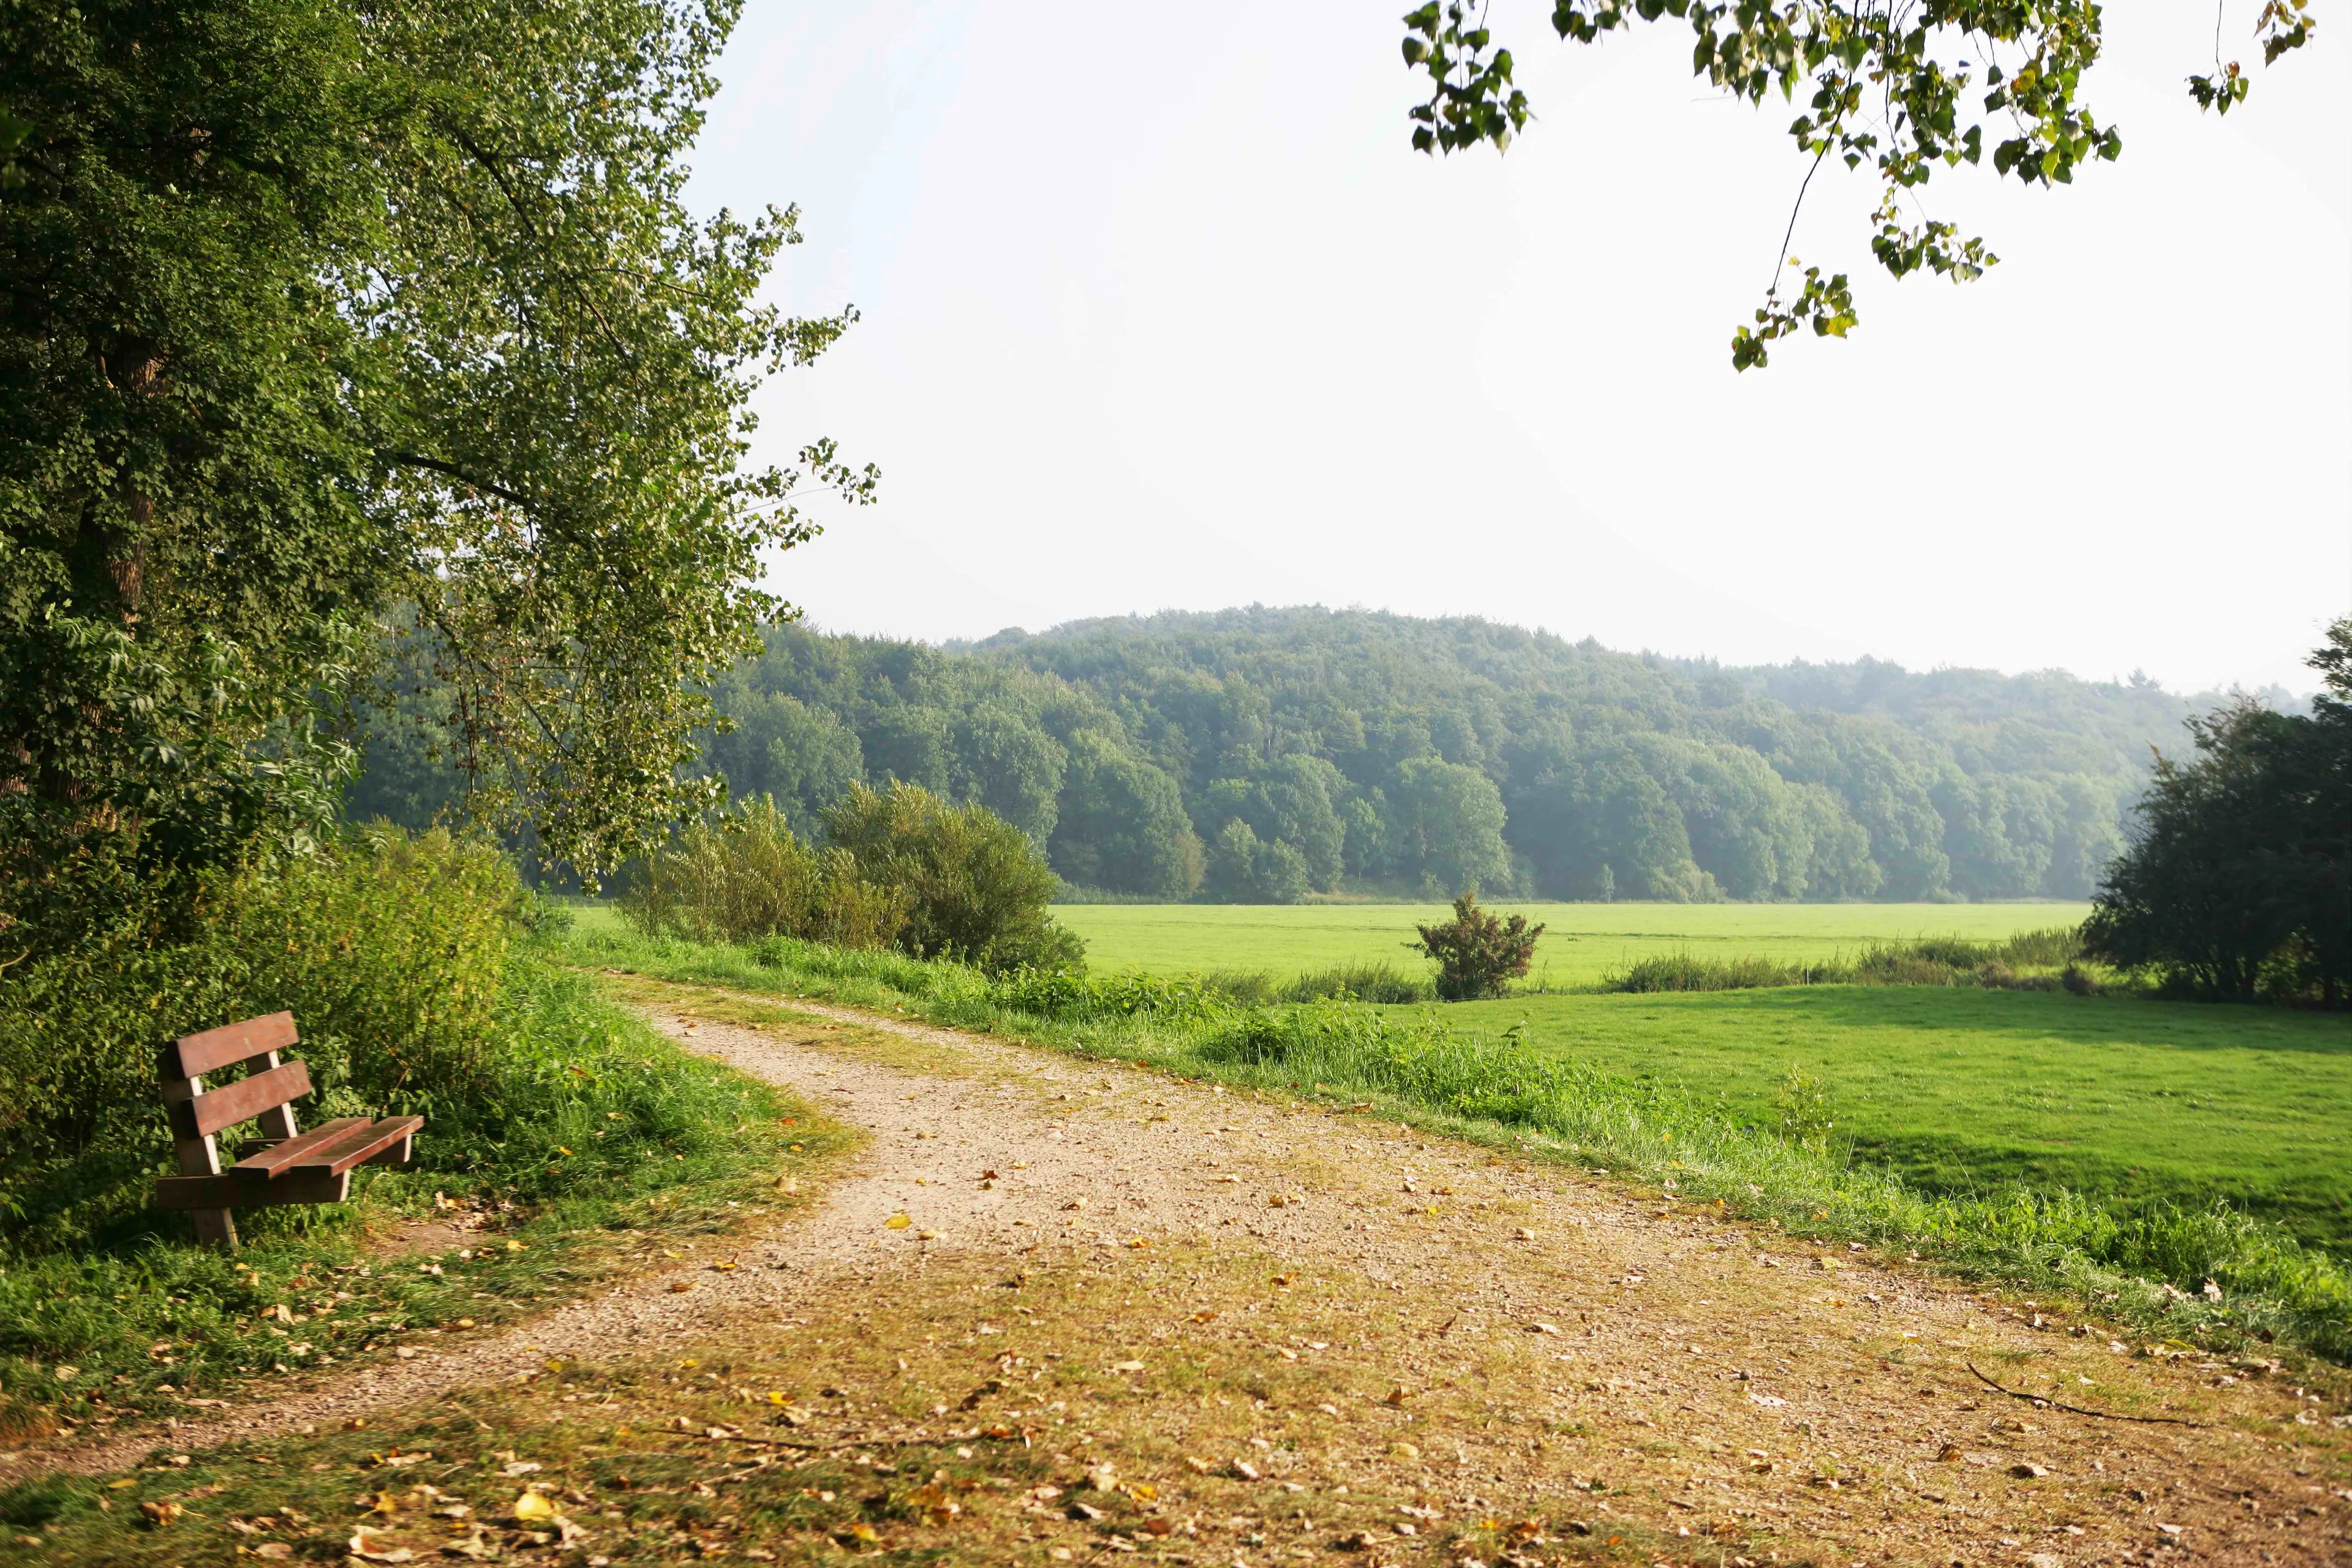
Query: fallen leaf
point(680, 1286)
point(531, 1507)
point(159, 1514)
point(1245, 1471)
point(896, 1222)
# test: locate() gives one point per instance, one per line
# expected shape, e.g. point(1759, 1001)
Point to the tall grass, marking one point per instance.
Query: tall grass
point(2148, 1268)
point(2021, 962)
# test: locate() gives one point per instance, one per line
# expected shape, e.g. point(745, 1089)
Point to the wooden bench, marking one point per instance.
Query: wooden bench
point(284, 1166)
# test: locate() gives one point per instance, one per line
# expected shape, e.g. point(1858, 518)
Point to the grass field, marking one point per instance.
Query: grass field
point(1959, 1089)
point(1581, 942)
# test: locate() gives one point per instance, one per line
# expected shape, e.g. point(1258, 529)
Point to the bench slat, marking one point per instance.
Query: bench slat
point(244, 1193)
point(275, 1155)
point(201, 1116)
point(192, 1054)
point(355, 1146)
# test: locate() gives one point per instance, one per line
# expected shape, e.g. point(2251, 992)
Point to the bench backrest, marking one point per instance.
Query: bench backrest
point(198, 1113)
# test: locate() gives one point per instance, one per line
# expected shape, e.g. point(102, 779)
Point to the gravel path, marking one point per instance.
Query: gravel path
point(1644, 1320)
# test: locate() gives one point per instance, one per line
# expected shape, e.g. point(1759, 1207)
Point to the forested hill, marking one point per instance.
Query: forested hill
point(1264, 753)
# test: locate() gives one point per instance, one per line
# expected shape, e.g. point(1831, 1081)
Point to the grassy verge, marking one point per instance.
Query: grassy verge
point(2149, 1267)
point(599, 1139)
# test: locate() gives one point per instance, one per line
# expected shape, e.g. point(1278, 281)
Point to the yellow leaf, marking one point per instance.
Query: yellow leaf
point(532, 1508)
point(896, 1222)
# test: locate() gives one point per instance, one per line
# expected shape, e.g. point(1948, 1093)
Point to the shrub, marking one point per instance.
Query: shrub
point(976, 887)
point(390, 950)
point(748, 876)
point(1476, 951)
point(1803, 1104)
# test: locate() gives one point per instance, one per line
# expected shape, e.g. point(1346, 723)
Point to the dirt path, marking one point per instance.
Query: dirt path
point(1712, 1377)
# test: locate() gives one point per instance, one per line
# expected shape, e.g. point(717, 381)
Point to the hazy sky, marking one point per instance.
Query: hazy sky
point(1160, 313)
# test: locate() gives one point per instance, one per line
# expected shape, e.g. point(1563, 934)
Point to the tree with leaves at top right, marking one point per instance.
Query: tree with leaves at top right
point(1906, 88)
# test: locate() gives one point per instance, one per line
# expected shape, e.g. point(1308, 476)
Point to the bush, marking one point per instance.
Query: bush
point(1476, 951)
point(748, 876)
point(976, 887)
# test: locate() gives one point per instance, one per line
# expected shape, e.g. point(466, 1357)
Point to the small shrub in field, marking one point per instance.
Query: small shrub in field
point(1806, 1120)
point(748, 876)
point(976, 887)
point(1477, 951)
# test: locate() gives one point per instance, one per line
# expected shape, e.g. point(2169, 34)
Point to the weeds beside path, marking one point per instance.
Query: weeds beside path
point(1062, 1306)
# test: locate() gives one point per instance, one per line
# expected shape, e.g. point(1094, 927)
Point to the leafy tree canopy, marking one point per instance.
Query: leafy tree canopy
point(310, 309)
point(1908, 89)
point(1276, 753)
point(2238, 881)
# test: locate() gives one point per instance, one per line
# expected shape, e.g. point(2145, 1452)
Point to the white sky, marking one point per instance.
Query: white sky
point(1161, 313)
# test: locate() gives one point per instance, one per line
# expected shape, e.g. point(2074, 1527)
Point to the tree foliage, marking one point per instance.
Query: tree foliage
point(309, 311)
point(1907, 90)
point(2239, 879)
point(1443, 753)
point(976, 887)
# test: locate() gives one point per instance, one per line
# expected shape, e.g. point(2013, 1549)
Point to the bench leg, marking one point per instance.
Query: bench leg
point(215, 1227)
point(201, 1157)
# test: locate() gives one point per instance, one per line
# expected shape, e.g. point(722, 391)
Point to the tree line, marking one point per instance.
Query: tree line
point(2238, 881)
point(1267, 755)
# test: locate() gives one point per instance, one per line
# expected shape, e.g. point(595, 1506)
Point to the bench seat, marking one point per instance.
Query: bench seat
point(285, 1165)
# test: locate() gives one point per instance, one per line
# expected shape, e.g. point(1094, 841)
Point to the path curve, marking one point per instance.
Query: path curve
point(1688, 1321)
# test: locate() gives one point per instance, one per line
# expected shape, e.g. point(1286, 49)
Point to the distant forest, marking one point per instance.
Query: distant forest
point(1266, 755)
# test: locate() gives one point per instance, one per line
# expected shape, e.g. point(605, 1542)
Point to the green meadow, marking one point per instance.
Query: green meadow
point(1961, 1089)
point(1581, 942)
point(1957, 1088)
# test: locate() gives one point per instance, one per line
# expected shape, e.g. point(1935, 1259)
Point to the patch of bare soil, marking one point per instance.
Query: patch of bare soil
point(1490, 1334)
